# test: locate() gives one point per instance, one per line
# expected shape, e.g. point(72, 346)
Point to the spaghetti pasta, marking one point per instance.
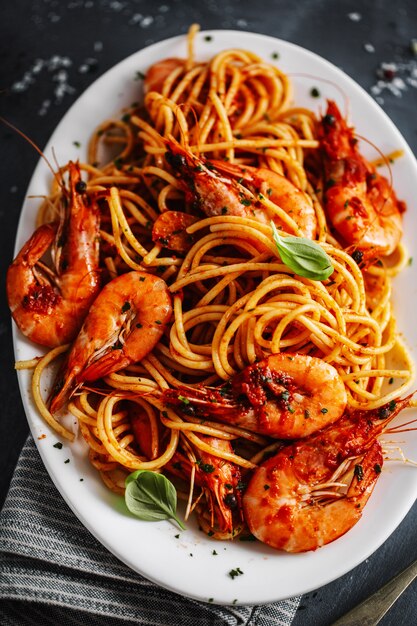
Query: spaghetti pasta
point(235, 302)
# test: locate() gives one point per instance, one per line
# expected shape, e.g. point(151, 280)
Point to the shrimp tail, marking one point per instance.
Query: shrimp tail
point(37, 245)
point(109, 362)
point(64, 386)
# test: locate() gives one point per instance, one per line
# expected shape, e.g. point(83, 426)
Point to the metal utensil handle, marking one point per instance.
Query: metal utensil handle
point(373, 609)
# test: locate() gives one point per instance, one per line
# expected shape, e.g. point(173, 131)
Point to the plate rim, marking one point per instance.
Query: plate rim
point(17, 339)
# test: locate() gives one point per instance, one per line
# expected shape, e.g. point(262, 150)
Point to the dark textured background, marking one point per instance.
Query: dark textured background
point(95, 35)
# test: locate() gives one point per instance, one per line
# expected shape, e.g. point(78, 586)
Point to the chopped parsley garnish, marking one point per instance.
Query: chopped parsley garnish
point(357, 256)
point(314, 92)
point(126, 307)
point(385, 411)
point(183, 399)
point(58, 445)
point(275, 55)
point(76, 144)
point(208, 38)
point(377, 468)
point(235, 572)
point(245, 202)
point(358, 472)
point(139, 76)
point(207, 468)
point(324, 410)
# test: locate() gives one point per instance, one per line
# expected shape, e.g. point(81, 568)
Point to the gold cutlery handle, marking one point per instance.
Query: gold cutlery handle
point(372, 610)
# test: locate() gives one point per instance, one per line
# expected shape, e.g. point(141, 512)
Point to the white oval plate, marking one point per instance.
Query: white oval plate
point(187, 564)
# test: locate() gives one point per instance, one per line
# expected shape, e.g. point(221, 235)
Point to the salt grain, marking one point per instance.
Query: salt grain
point(44, 107)
point(355, 17)
point(164, 8)
point(116, 5)
point(369, 47)
point(87, 65)
point(412, 82)
point(147, 21)
point(98, 46)
point(136, 18)
point(241, 23)
point(61, 76)
point(38, 66)
point(61, 90)
point(13, 189)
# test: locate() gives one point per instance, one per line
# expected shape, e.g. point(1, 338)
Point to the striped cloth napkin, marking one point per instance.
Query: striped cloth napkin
point(52, 571)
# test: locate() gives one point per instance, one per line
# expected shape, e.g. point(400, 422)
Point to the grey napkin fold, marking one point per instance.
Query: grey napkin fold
point(53, 571)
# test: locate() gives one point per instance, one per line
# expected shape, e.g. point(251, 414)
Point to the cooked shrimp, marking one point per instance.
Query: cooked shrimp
point(287, 396)
point(124, 324)
point(159, 72)
point(360, 203)
point(314, 490)
point(219, 480)
point(49, 305)
point(170, 230)
point(212, 188)
point(279, 190)
point(144, 432)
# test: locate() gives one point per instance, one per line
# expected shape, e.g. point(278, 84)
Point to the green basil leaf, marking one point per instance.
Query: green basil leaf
point(305, 257)
point(151, 497)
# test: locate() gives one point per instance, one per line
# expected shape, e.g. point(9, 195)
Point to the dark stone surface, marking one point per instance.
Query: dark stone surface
point(108, 31)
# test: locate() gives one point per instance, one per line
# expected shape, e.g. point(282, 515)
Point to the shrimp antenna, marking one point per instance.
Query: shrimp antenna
point(345, 97)
point(33, 144)
point(381, 154)
point(197, 127)
point(59, 175)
